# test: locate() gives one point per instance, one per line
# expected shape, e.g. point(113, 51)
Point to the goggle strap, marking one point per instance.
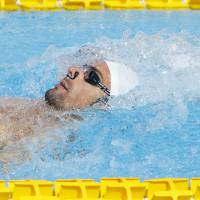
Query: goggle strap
point(104, 88)
point(99, 84)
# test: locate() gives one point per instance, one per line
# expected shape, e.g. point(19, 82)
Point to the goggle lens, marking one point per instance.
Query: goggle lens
point(92, 77)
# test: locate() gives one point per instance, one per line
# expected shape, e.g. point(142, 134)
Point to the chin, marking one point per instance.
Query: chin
point(55, 100)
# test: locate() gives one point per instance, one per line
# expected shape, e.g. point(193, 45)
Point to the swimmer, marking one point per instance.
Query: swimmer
point(82, 87)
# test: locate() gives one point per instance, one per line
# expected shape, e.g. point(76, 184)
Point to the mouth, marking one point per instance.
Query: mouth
point(63, 85)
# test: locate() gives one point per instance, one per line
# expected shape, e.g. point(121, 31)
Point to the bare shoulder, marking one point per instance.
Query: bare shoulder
point(9, 101)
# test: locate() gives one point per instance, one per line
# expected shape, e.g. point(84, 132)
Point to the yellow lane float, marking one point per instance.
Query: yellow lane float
point(2, 184)
point(46, 5)
point(8, 5)
point(106, 189)
point(167, 4)
point(194, 4)
point(82, 4)
point(39, 4)
point(166, 184)
point(124, 4)
point(173, 195)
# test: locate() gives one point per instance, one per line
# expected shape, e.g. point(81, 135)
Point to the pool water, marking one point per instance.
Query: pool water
point(151, 132)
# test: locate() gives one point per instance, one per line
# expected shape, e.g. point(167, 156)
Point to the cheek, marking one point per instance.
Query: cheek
point(85, 92)
point(91, 93)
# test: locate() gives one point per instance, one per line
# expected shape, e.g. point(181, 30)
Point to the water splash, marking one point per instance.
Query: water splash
point(143, 134)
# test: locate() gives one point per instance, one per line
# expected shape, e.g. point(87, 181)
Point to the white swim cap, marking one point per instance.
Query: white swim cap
point(123, 78)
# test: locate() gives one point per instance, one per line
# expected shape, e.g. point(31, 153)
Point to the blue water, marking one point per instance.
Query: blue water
point(151, 132)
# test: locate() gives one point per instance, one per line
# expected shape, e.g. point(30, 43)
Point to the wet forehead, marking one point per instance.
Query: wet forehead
point(102, 68)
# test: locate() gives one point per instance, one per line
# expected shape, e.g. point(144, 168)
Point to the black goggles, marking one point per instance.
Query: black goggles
point(91, 76)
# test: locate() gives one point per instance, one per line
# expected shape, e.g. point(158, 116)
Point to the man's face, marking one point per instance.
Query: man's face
point(76, 92)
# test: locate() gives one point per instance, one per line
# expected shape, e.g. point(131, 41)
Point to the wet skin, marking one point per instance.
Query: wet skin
point(22, 117)
point(76, 92)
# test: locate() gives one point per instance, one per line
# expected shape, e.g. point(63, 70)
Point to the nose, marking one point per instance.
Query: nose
point(73, 72)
